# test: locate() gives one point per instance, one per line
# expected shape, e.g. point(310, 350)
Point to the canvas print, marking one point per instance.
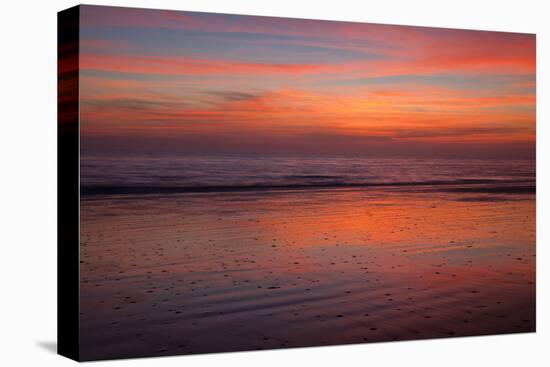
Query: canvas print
point(247, 183)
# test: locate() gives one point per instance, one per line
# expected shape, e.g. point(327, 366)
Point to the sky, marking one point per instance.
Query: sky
point(174, 82)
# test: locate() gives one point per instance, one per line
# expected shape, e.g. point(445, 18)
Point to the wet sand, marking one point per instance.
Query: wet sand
point(217, 272)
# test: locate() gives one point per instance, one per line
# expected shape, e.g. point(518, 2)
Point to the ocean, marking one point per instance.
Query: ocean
point(120, 175)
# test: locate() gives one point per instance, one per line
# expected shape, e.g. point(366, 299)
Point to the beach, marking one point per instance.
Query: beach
point(231, 270)
point(250, 183)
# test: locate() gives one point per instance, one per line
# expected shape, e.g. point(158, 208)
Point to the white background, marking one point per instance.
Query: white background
point(28, 182)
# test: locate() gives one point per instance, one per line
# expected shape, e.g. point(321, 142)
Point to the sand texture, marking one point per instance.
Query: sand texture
point(216, 272)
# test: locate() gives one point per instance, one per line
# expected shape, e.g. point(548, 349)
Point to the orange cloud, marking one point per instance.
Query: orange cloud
point(187, 65)
point(290, 99)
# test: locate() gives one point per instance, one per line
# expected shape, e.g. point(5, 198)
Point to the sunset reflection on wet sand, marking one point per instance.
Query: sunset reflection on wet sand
point(210, 272)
